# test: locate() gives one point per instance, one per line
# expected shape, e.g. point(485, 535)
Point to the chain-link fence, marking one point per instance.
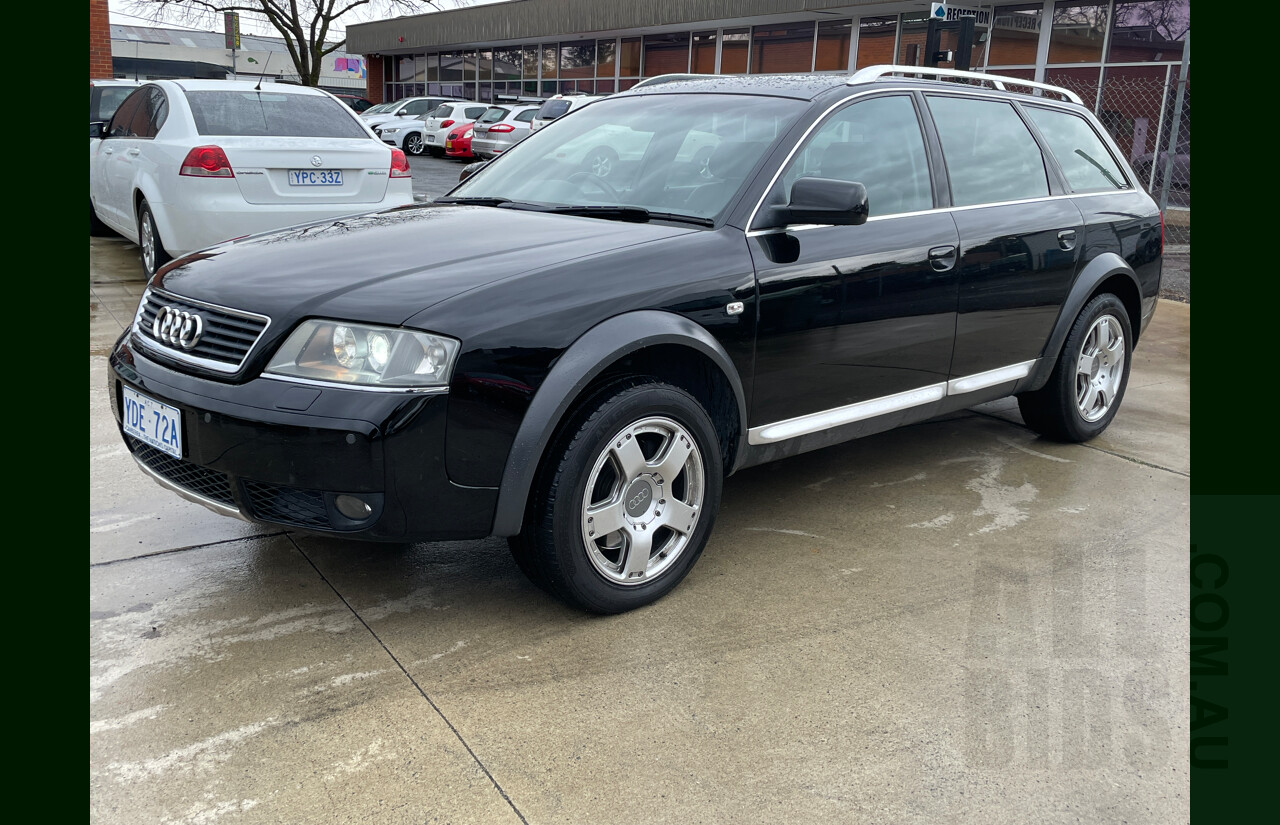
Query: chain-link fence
point(1139, 107)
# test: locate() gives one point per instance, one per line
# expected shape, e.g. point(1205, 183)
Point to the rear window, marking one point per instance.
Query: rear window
point(552, 109)
point(493, 115)
point(271, 114)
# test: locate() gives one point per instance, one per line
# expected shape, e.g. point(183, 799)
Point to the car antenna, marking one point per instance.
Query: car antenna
point(258, 88)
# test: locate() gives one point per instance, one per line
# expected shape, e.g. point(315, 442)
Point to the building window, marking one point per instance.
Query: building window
point(734, 54)
point(1149, 32)
point(506, 64)
point(550, 53)
point(451, 67)
point(832, 54)
point(629, 58)
point(1078, 32)
point(783, 48)
point(433, 68)
point(530, 63)
point(665, 54)
point(911, 43)
point(876, 36)
point(703, 60)
point(606, 58)
point(486, 64)
point(577, 60)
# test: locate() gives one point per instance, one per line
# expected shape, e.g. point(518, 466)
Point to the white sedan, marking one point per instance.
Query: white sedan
point(185, 164)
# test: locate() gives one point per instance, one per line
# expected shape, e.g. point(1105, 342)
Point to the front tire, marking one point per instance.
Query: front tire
point(626, 501)
point(413, 144)
point(1088, 382)
point(150, 246)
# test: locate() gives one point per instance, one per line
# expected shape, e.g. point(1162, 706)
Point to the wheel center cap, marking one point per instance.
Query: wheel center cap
point(639, 498)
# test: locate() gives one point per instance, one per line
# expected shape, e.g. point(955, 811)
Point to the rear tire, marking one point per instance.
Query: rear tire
point(625, 501)
point(1088, 382)
point(150, 246)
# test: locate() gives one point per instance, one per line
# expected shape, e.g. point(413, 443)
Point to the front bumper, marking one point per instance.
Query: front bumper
point(275, 452)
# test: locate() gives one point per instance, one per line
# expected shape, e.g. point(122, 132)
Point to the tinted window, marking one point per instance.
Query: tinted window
point(1083, 157)
point(527, 115)
point(271, 114)
point(552, 109)
point(474, 112)
point(124, 117)
point(150, 115)
point(990, 155)
point(877, 143)
point(494, 115)
point(417, 107)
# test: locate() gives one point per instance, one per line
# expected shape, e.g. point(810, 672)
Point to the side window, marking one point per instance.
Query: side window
point(125, 115)
point(527, 115)
point(418, 107)
point(990, 154)
point(1082, 155)
point(876, 143)
point(151, 115)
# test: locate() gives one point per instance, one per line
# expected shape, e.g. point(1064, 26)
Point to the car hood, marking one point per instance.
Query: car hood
point(385, 267)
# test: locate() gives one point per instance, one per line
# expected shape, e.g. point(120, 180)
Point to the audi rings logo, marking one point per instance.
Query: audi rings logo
point(177, 328)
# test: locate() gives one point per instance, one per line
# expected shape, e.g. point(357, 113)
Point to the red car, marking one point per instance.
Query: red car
point(457, 144)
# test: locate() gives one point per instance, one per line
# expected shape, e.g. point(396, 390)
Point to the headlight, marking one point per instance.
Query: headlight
point(392, 130)
point(345, 353)
point(469, 133)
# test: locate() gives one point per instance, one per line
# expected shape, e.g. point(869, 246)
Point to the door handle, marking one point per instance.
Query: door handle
point(1067, 239)
point(942, 258)
point(133, 153)
point(107, 150)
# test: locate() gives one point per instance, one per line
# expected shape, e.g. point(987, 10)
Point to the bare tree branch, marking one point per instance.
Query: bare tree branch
point(303, 24)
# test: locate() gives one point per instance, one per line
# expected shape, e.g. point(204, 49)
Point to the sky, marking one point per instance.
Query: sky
point(127, 13)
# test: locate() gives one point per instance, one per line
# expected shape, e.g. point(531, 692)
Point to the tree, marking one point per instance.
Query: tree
point(304, 24)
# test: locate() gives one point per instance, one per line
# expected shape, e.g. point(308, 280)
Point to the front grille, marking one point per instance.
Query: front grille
point(287, 505)
point(200, 480)
point(228, 334)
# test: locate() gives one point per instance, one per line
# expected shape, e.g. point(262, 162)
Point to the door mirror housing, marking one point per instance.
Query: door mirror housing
point(470, 169)
point(823, 201)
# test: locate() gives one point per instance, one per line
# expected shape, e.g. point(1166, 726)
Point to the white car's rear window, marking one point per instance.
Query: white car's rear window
point(271, 114)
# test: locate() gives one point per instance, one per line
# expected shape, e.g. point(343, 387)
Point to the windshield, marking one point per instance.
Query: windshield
point(686, 154)
point(377, 107)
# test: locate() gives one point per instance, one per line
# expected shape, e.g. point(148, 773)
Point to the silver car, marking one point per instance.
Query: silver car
point(502, 127)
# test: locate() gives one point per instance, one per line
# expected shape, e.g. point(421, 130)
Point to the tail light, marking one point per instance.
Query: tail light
point(399, 165)
point(206, 162)
point(502, 127)
point(446, 124)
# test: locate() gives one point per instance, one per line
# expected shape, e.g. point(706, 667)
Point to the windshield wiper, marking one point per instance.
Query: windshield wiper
point(474, 201)
point(629, 214)
point(1106, 174)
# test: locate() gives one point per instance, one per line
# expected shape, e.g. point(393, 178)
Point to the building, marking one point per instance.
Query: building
point(1121, 56)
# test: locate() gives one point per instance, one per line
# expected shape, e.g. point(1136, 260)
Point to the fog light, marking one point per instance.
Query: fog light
point(353, 508)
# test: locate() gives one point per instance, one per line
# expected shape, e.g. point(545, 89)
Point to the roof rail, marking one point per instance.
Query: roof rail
point(669, 78)
point(871, 73)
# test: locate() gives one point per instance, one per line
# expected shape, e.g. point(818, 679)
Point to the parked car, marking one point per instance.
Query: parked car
point(457, 144)
point(858, 254)
point(1181, 176)
point(356, 102)
point(406, 108)
point(105, 96)
point(435, 126)
point(502, 127)
point(560, 105)
point(186, 164)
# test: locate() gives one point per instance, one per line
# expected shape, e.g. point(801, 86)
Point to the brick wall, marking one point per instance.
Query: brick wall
point(373, 78)
point(99, 41)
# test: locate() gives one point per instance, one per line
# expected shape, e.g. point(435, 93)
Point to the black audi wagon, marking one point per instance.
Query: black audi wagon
point(574, 355)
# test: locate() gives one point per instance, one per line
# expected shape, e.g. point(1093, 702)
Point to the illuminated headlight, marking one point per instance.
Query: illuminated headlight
point(469, 133)
point(391, 130)
point(345, 353)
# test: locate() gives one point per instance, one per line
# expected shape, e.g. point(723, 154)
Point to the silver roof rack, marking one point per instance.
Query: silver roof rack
point(871, 73)
point(669, 78)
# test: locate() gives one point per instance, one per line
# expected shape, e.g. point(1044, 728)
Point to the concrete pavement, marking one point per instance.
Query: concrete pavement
point(954, 622)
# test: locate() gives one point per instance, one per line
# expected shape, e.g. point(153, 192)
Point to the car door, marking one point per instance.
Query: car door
point(111, 171)
point(1019, 242)
point(853, 314)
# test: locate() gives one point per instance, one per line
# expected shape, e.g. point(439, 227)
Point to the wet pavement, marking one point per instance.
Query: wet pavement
point(953, 622)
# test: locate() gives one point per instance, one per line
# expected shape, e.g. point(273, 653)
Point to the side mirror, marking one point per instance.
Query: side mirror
point(823, 201)
point(98, 129)
point(470, 169)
